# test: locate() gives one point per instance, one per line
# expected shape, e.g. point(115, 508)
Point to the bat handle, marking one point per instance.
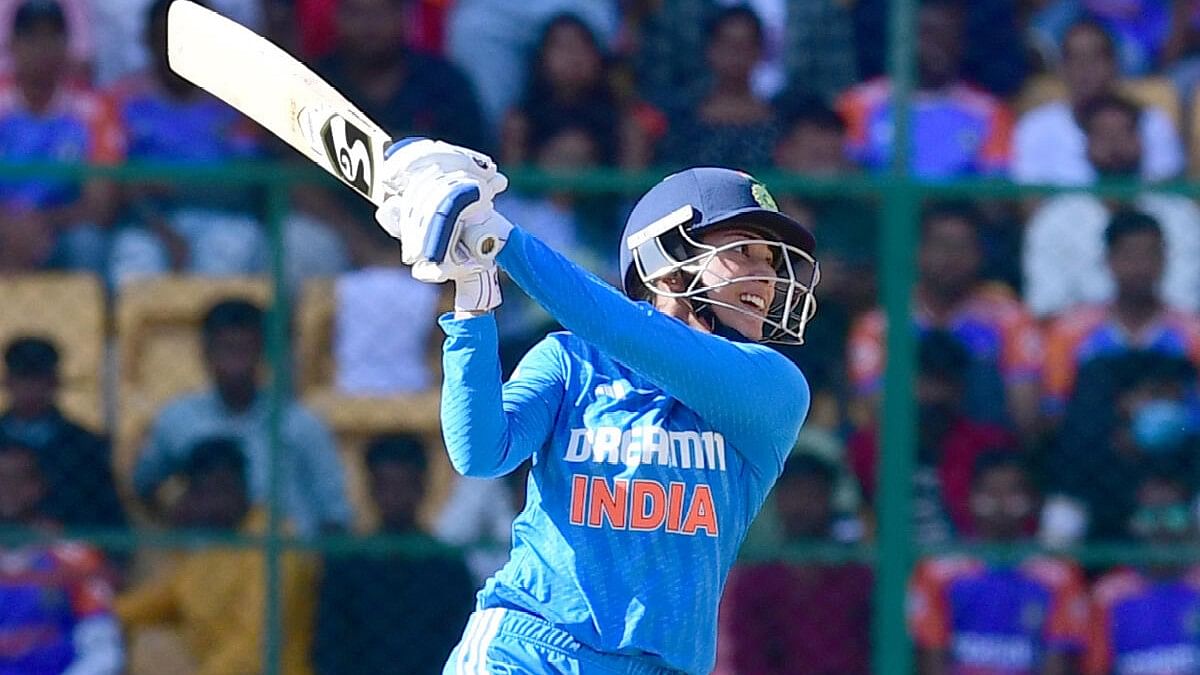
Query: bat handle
point(483, 245)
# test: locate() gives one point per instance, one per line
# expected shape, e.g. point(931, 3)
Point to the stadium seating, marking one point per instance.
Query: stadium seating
point(69, 309)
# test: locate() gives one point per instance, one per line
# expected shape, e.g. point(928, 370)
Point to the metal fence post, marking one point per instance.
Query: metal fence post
point(280, 362)
point(892, 651)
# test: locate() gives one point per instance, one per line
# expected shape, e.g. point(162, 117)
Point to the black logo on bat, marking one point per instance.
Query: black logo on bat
point(349, 148)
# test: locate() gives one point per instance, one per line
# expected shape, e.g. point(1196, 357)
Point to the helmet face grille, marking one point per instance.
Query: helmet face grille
point(794, 280)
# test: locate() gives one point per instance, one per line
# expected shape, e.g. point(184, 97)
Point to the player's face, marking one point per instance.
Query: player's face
point(20, 486)
point(752, 297)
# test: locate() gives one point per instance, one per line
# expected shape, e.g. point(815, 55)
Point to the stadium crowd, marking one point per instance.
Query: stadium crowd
point(1059, 337)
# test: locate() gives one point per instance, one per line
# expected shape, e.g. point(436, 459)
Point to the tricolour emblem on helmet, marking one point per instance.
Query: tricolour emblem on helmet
point(763, 197)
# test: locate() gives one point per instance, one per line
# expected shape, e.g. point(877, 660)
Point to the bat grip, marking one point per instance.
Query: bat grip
point(482, 244)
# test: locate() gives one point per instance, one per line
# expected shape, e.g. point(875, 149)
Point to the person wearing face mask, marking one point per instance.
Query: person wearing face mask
point(1137, 317)
point(968, 616)
point(1130, 412)
point(1145, 618)
point(1063, 259)
point(948, 442)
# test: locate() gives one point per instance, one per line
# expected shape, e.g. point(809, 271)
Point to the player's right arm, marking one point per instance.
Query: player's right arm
point(490, 427)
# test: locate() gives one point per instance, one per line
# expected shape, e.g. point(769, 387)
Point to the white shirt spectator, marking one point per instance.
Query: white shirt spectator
point(384, 321)
point(478, 514)
point(1049, 147)
point(1064, 253)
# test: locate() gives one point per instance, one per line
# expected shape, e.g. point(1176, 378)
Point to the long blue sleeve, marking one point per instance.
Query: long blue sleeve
point(489, 429)
point(748, 391)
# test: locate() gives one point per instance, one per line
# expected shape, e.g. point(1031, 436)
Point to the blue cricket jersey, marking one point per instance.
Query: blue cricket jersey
point(654, 445)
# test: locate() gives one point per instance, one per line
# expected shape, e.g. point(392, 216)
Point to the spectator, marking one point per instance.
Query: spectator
point(728, 125)
point(396, 613)
point(80, 39)
point(808, 47)
point(197, 229)
point(992, 57)
point(1063, 256)
point(1140, 28)
point(1129, 411)
point(57, 596)
point(217, 596)
point(791, 618)
point(491, 40)
point(44, 116)
point(1147, 615)
point(957, 130)
point(1135, 319)
point(1002, 338)
point(312, 484)
point(479, 515)
point(407, 93)
point(76, 464)
point(1181, 53)
point(968, 616)
point(1051, 143)
point(948, 442)
point(813, 144)
point(571, 82)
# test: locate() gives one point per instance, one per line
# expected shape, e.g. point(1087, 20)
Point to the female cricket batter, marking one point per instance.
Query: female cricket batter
point(657, 422)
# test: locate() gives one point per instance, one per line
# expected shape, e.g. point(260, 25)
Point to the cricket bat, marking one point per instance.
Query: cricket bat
point(271, 87)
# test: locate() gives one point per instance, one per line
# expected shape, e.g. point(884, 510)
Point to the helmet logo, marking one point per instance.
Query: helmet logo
point(764, 198)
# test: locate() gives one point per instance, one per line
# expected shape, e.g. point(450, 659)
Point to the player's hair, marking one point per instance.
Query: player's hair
point(1110, 46)
point(1128, 222)
point(1106, 103)
point(232, 313)
point(999, 458)
point(31, 357)
point(735, 13)
point(814, 112)
point(406, 449)
point(943, 356)
point(808, 465)
point(213, 454)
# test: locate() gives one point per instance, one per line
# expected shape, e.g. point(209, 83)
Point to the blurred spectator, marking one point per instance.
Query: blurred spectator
point(1130, 411)
point(479, 515)
point(1051, 145)
point(808, 48)
point(798, 618)
point(198, 229)
point(1003, 339)
point(1181, 53)
point(1140, 28)
point(56, 596)
point(216, 596)
point(312, 485)
point(491, 41)
point(993, 58)
point(1063, 256)
point(948, 442)
point(46, 117)
point(570, 82)
point(119, 26)
point(380, 346)
point(813, 145)
point(727, 124)
point(968, 616)
point(393, 613)
point(1135, 319)
point(1146, 618)
point(407, 93)
point(76, 464)
point(80, 39)
point(957, 130)
point(424, 22)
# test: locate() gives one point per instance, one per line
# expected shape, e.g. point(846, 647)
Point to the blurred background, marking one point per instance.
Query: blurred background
point(219, 443)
